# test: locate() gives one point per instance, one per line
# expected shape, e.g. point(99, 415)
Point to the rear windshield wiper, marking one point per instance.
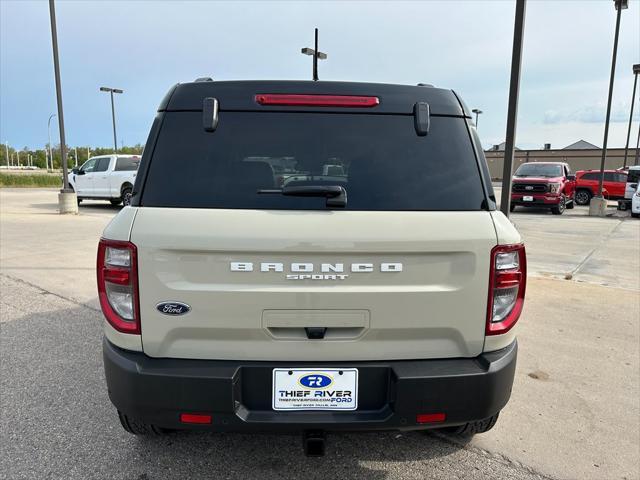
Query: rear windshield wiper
point(336, 195)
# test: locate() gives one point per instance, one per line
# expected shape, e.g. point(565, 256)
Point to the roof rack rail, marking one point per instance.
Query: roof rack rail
point(204, 79)
point(425, 85)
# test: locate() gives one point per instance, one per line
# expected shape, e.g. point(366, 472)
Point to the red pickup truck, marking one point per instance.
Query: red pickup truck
point(613, 185)
point(544, 185)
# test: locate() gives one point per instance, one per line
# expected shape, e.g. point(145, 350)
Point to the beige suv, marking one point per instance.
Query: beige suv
point(310, 257)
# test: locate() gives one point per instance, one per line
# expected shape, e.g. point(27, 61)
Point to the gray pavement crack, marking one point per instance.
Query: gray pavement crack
point(605, 238)
point(48, 292)
point(487, 453)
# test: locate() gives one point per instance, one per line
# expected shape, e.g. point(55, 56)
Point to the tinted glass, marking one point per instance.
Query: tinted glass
point(102, 165)
point(127, 164)
point(378, 159)
point(633, 175)
point(590, 176)
point(610, 177)
point(539, 170)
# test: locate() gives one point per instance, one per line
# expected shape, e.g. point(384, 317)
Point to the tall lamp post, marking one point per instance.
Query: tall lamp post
point(477, 112)
point(67, 200)
point(113, 113)
point(636, 71)
point(598, 205)
point(317, 55)
point(512, 112)
point(6, 146)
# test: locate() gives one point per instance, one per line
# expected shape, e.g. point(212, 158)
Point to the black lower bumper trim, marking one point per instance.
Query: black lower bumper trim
point(238, 394)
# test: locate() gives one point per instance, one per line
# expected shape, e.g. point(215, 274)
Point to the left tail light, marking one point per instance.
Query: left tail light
point(117, 269)
point(507, 284)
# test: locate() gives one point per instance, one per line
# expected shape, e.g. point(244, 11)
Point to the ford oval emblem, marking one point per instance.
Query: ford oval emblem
point(173, 308)
point(315, 380)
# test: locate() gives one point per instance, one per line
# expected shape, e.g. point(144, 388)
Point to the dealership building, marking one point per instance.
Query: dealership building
point(581, 155)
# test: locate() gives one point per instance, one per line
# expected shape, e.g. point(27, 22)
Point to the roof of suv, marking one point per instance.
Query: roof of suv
point(240, 95)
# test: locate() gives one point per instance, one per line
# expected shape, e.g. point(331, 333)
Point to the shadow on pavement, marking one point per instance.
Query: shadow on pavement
point(52, 380)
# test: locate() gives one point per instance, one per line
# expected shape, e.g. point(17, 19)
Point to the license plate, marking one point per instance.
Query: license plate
point(311, 389)
point(527, 199)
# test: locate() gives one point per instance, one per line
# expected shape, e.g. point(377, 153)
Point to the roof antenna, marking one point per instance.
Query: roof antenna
point(316, 55)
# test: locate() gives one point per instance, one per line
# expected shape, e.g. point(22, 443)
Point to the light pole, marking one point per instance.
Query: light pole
point(113, 113)
point(477, 112)
point(512, 111)
point(316, 55)
point(76, 150)
point(598, 204)
point(637, 147)
point(636, 71)
point(67, 200)
point(6, 146)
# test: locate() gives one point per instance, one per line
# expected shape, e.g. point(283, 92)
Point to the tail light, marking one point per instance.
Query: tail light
point(507, 283)
point(117, 269)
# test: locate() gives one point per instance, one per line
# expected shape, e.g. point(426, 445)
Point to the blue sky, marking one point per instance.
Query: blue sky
point(144, 47)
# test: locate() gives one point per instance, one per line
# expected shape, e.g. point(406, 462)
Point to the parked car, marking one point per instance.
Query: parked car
point(587, 182)
point(633, 180)
point(544, 185)
point(108, 177)
point(343, 300)
point(635, 203)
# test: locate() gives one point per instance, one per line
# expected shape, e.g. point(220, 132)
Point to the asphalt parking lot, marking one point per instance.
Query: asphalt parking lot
point(574, 412)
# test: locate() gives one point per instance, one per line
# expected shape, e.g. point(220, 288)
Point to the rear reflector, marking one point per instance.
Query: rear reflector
point(293, 100)
point(195, 418)
point(430, 417)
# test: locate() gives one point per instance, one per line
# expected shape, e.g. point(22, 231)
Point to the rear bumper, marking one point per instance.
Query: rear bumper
point(539, 200)
point(238, 394)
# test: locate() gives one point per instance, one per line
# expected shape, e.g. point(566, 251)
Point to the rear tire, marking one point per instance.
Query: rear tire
point(126, 196)
point(571, 203)
point(635, 215)
point(512, 207)
point(137, 427)
point(471, 428)
point(583, 197)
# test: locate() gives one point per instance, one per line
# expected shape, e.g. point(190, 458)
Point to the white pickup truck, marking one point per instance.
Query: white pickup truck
point(108, 177)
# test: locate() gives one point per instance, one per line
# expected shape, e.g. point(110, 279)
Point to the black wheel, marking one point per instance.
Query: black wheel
point(571, 203)
point(117, 201)
point(126, 196)
point(471, 428)
point(512, 207)
point(136, 427)
point(583, 197)
point(635, 215)
point(79, 200)
point(559, 209)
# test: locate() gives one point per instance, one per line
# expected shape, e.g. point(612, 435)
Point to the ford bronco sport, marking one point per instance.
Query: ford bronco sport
point(298, 257)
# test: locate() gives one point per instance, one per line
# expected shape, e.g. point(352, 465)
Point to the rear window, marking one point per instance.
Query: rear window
point(378, 159)
point(127, 164)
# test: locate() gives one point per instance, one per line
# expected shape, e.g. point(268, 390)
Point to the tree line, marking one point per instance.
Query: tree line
point(75, 155)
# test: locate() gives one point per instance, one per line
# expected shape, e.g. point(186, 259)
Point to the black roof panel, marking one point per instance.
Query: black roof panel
point(240, 95)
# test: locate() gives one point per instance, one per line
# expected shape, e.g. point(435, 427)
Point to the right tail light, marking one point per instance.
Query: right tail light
point(507, 284)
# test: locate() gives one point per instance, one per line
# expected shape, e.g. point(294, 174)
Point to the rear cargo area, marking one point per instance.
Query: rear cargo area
point(395, 285)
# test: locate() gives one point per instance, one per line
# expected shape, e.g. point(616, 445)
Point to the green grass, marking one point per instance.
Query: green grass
point(29, 180)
